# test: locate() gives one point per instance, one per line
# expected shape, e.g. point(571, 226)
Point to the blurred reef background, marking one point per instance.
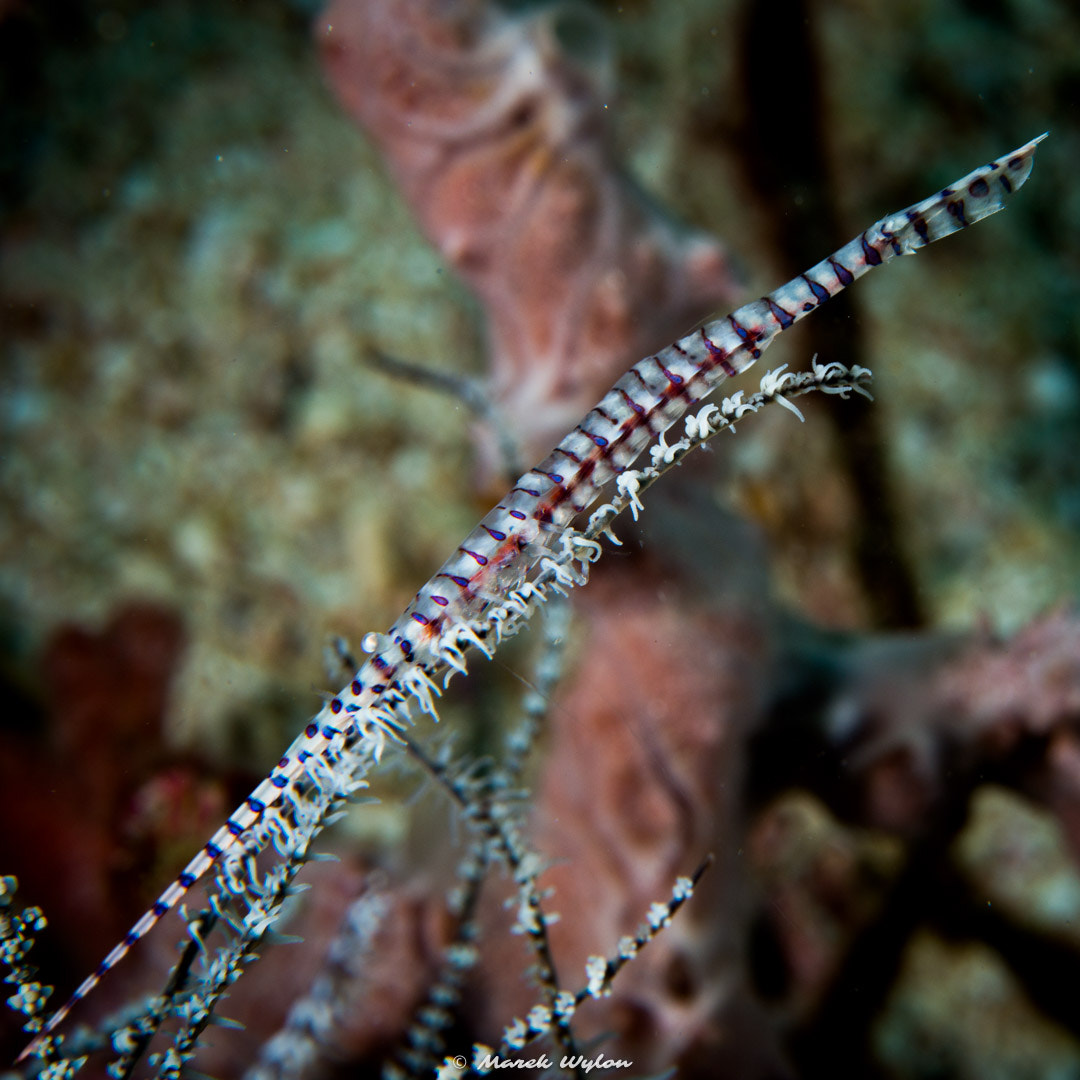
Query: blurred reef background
point(203, 478)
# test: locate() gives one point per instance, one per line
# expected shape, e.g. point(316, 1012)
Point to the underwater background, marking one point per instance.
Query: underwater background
point(204, 477)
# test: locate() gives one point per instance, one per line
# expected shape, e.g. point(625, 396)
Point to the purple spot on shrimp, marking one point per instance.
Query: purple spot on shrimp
point(357, 687)
point(842, 272)
point(494, 534)
point(979, 188)
point(784, 318)
point(870, 253)
point(335, 706)
point(279, 781)
point(675, 380)
point(821, 294)
point(311, 730)
point(480, 559)
point(920, 226)
point(440, 600)
point(956, 208)
point(717, 354)
point(514, 514)
point(739, 329)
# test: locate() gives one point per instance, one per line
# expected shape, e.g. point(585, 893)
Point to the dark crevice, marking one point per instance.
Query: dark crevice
point(835, 1040)
point(931, 892)
point(781, 150)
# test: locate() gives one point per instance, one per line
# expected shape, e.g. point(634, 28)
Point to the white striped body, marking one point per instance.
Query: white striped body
point(500, 552)
point(656, 391)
